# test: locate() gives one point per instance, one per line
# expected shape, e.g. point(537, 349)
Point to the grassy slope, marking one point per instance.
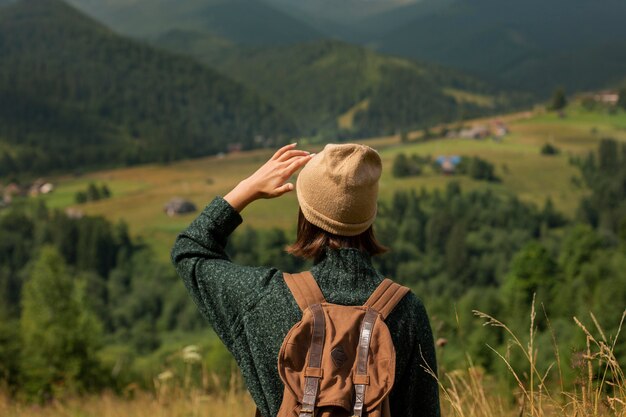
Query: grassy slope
point(139, 193)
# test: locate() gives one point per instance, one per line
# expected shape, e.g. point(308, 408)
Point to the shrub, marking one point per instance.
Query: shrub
point(549, 149)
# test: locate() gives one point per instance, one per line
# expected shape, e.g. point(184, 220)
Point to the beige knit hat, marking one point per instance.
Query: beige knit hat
point(338, 188)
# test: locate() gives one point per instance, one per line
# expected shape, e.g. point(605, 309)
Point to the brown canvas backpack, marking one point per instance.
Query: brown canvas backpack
point(338, 361)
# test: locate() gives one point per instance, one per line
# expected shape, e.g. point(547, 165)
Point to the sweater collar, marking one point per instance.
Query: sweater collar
point(351, 260)
point(345, 265)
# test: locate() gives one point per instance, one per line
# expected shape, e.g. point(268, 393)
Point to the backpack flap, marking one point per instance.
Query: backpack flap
point(337, 373)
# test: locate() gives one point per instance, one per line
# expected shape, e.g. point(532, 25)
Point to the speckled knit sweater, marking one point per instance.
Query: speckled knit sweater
point(251, 310)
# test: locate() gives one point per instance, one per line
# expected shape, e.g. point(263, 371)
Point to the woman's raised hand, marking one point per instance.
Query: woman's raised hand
point(269, 181)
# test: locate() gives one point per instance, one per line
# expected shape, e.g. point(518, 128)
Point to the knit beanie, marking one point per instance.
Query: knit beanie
point(338, 188)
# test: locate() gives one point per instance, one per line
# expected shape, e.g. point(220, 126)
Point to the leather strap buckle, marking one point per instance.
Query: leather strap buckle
point(306, 411)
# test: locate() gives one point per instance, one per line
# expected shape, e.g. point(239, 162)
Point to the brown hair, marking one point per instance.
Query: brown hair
point(312, 241)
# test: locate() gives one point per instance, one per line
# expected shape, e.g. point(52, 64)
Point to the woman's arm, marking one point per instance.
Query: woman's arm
point(220, 288)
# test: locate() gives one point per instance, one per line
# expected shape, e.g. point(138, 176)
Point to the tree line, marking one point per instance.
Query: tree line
point(70, 286)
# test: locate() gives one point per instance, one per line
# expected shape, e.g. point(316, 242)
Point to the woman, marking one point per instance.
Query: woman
point(251, 308)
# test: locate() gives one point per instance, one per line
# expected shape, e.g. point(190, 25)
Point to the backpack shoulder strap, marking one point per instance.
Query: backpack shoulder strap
point(385, 298)
point(304, 289)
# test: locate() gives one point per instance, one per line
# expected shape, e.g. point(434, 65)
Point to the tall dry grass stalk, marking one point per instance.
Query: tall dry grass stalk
point(602, 393)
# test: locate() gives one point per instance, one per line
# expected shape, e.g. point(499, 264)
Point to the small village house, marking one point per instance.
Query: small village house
point(607, 97)
point(448, 163)
point(178, 206)
point(40, 186)
point(476, 132)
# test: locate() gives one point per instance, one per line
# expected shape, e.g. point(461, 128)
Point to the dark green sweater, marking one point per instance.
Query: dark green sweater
point(251, 310)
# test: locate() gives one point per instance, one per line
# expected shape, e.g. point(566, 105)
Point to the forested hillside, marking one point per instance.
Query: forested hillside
point(73, 94)
point(318, 82)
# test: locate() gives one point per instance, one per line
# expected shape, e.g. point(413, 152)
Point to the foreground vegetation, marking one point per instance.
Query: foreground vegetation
point(465, 392)
point(472, 249)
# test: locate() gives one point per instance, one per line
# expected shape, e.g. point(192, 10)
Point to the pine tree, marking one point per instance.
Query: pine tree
point(60, 335)
point(608, 156)
point(93, 193)
point(456, 253)
point(532, 270)
point(400, 166)
point(105, 192)
point(559, 101)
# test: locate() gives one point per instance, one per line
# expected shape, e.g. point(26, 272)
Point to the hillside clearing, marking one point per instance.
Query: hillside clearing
point(139, 193)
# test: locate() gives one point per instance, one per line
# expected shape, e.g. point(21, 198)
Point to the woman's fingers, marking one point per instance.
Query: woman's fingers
point(291, 154)
point(283, 150)
point(285, 188)
point(298, 163)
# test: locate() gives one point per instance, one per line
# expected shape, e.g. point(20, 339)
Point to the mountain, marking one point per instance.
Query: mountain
point(358, 20)
point(331, 85)
point(532, 45)
point(369, 28)
point(74, 94)
point(245, 21)
point(340, 11)
point(519, 42)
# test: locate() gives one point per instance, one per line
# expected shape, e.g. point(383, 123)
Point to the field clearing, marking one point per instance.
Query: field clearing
point(139, 193)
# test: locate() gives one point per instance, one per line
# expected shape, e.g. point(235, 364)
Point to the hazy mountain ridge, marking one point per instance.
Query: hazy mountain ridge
point(245, 21)
point(522, 44)
point(501, 39)
point(317, 82)
point(73, 93)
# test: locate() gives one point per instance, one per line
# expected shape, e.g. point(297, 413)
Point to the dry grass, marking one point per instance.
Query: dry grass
point(142, 405)
point(167, 400)
point(602, 393)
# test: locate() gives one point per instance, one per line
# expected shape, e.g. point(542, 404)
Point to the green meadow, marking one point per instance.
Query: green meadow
point(139, 193)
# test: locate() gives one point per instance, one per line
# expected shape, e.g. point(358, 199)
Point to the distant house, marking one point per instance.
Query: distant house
point(177, 206)
point(47, 188)
point(10, 191)
point(40, 186)
point(448, 163)
point(235, 147)
point(500, 129)
point(607, 97)
point(476, 132)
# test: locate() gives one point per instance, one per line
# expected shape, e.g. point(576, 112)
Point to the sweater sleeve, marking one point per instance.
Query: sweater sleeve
point(420, 398)
point(221, 289)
